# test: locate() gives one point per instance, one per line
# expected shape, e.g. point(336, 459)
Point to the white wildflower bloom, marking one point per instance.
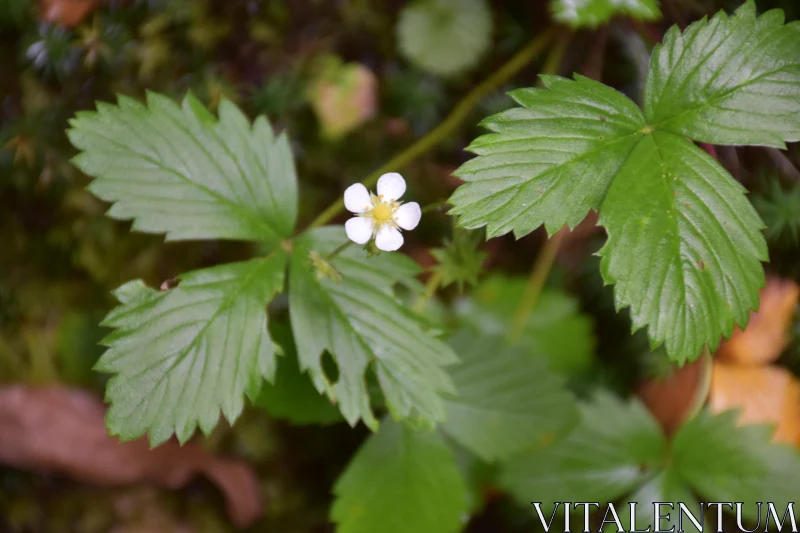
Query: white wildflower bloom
point(380, 216)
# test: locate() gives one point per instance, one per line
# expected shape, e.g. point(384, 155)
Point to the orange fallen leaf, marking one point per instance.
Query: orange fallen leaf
point(62, 430)
point(672, 399)
point(765, 336)
point(764, 395)
point(68, 13)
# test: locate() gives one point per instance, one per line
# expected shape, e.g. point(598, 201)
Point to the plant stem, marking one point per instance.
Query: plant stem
point(460, 112)
point(430, 289)
point(434, 206)
point(703, 388)
point(339, 249)
point(539, 272)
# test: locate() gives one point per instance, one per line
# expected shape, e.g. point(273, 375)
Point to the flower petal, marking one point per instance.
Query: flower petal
point(388, 239)
point(391, 186)
point(407, 215)
point(359, 229)
point(356, 198)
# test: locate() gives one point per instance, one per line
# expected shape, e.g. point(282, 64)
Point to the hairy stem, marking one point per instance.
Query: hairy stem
point(339, 249)
point(460, 112)
point(430, 289)
point(434, 206)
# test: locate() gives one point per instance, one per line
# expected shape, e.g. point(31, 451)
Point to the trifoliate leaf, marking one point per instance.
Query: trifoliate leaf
point(684, 246)
point(555, 330)
point(592, 13)
point(729, 80)
point(179, 171)
point(618, 453)
point(182, 355)
point(549, 162)
point(445, 37)
point(361, 324)
point(292, 395)
point(460, 261)
point(507, 401)
point(399, 481)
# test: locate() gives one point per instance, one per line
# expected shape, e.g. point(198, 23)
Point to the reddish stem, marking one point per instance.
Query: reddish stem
point(710, 148)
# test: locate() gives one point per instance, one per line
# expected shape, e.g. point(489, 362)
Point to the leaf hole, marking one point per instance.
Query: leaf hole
point(329, 367)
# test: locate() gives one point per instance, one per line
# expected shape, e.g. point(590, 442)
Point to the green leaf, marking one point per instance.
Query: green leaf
point(592, 13)
point(684, 246)
point(556, 330)
point(400, 481)
point(618, 453)
point(609, 454)
point(729, 80)
point(507, 401)
point(361, 324)
point(445, 37)
point(548, 162)
point(778, 208)
point(292, 395)
point(182, 355)
point(460, 261)
point(181, 172)
point(708, 448)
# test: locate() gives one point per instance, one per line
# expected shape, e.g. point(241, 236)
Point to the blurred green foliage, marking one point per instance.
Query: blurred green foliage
point(60, 257)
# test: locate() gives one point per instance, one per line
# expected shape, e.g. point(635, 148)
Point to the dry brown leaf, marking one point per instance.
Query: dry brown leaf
point(62, 430)
point(671, 399)
point(764, 395)
point(765, 336)
point(68, 13)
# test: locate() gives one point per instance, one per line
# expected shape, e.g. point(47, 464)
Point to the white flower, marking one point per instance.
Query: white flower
point(380, 216)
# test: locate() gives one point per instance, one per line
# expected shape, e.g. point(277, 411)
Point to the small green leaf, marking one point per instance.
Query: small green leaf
point(507, 401)
point(182, 355)
point(292, 395)
point(400, 481)
point(684, 246)
point(445, 37)
point(592, 13)
point(460, 261)
point(778, 209)
point(361, 324)
point(549, 162)
point(556, 330)
point(179, 171)
point(729, 80)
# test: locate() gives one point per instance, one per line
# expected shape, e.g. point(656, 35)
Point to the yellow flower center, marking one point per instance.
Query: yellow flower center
point(382, 213)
